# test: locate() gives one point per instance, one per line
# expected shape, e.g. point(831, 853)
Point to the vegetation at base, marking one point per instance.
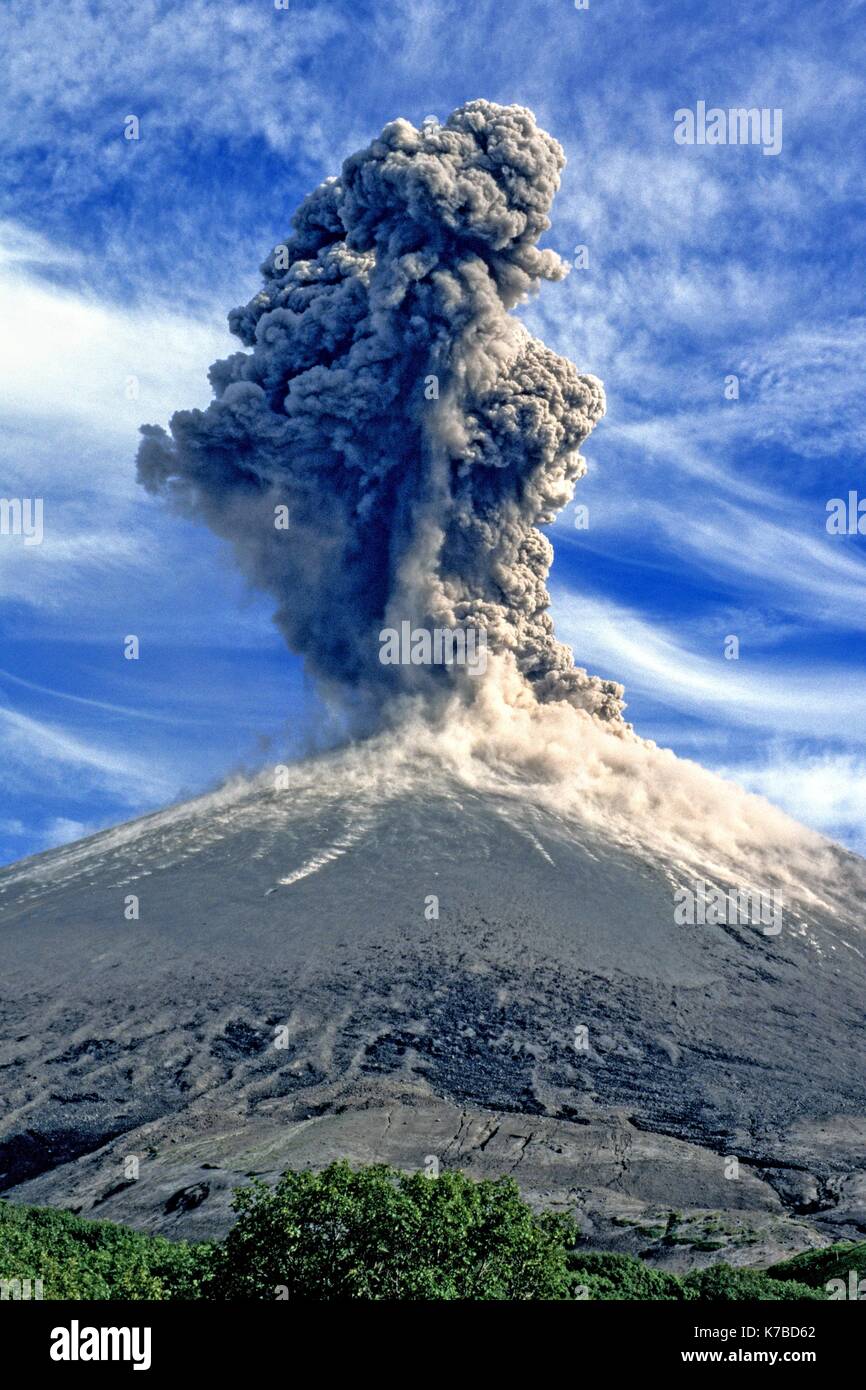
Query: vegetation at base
point(376, 1233)
point(95, 1259)
point(722, 1284)
point(817, 1267)
point(605, 1275)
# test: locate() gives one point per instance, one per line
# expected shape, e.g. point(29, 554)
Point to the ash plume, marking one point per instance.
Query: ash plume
point(414, 431)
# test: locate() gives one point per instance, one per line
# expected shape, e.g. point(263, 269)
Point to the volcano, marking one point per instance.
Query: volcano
point(383, 955)
point(498, 930)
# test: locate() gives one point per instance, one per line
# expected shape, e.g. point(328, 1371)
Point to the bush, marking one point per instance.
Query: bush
point(607, 1275)
point(722, 1284)
point(817, 1267)
point(380, 1234)
point(94, 1259)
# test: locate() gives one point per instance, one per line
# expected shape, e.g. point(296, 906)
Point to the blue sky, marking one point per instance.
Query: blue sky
point(120, 259)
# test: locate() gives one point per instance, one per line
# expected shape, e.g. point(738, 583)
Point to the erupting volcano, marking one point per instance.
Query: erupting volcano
point(457, 935)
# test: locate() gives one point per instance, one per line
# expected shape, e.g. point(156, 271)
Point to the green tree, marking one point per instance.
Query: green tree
point(375, 1233)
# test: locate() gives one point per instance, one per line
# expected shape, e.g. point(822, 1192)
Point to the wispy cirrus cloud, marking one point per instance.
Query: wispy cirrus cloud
point(746, 690)
point(794, 734)
point(76, 359)
point(33, 748)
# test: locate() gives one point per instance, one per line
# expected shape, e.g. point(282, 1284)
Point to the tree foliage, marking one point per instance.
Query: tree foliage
point(375, 1233)
point(605, 1275)
point(817, 1267)
point(94, 1259)
point(722, 1284)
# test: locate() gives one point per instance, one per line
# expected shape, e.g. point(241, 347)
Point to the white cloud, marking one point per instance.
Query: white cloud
point(617, 641)
point(827, 791)
point(70, 433)
point(66, 357)
point(21, 245)
point(812, 573)
point(106, 706)
point(722, 702)
point(62, 831)
point(77, 70)
point(32, 749)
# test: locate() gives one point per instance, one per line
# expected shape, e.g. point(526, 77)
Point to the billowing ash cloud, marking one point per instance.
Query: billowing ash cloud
point(415, 431)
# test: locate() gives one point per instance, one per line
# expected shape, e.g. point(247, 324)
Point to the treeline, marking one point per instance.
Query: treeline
point(376, 1233)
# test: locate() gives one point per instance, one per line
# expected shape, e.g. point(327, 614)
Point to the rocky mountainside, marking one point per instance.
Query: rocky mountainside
point(410, 970)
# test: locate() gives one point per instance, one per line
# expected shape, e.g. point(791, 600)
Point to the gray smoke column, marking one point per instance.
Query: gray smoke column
point(414, 430)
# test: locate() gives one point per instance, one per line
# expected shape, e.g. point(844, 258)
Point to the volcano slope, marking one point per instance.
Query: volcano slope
point(387, 960)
